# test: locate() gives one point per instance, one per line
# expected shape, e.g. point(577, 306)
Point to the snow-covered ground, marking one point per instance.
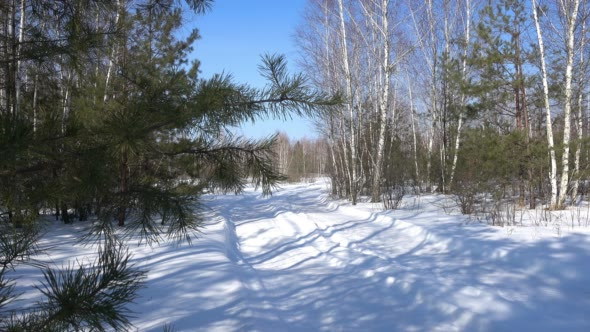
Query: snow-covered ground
point(298, 261)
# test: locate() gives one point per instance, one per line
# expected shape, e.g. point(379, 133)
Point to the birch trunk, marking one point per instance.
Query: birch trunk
point(384, 102)
point(113, 54)
point(336, 178)
point(66, 103)
point(4, 58)
point(571, 21)
point(462, 103)
point(445, 98)
point(344, 156)
point(415, 145)
point(580, 122)
point(434, 96)
point(10, 80)
point(550, 144)
point(431, 62)
point(349, 105)
point(18, 52)
point(4, 64)
point(35, 88)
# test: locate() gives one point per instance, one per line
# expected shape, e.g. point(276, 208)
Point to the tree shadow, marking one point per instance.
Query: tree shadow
point(410, 269)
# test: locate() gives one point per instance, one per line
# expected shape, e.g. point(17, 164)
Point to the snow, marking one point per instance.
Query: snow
point(299, 261)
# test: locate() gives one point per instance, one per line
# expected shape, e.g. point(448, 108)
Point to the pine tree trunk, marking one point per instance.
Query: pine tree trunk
point(65, 216)
point(519, 105)
point(527, 127)
point(57, 214)
point(121, 213)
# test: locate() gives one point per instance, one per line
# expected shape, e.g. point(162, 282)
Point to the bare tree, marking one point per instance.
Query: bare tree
point(569, 9)
point(467, 25)
point(580, 116)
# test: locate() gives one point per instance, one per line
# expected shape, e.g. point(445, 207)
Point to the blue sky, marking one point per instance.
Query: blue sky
point(235, 33)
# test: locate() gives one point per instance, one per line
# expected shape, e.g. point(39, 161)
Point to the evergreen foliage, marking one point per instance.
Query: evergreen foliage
point(85, 297)
point(118, 127)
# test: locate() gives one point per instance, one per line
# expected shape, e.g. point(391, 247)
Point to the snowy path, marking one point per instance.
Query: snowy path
point(296, 261)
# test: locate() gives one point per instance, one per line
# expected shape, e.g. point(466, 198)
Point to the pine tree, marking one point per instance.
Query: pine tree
point(126, 133)
point(500, 90)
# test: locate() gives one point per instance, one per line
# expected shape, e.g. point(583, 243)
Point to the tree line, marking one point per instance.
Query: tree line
point(301, 160)
point(466, 97)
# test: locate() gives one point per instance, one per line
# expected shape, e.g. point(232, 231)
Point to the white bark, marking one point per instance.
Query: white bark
point(65, 112)
point(349, 105)
point(4, 56)
point(10, 34)
point(345, 152)
point(415, 145)
point(35, 89)
point(580, 122)
point(434, 97)
point(113, 54)
point(383, 98)
point(328, 75)
point(429, 154)
point(427, 43)
point(571, 21)
point(462, 103)
point(445, 97)
point(550, 144)
point(18, 52)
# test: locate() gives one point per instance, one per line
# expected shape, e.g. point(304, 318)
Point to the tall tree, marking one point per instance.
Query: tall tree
point(549, 126)
point(140, 157)
point(352, 144)
point(569, 8)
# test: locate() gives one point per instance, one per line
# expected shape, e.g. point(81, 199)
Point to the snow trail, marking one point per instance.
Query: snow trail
point(312, 264)
point(298, 261)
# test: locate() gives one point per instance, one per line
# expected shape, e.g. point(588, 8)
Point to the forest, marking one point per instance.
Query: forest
point(465, 97)
point(105, 119)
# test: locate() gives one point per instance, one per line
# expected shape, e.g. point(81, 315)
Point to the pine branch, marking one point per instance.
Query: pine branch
point(91, 297)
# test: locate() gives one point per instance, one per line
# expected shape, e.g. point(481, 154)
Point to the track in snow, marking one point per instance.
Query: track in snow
point(297, 261)
point(305, 263)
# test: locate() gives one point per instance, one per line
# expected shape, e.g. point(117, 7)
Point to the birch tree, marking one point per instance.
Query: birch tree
point(18, 76)
point(414, 140)
point(580, 106)
point(549, 126)
point(467, 25)
point(350, 102)
point(569, 9)
point(383, 92)
point(425, 29)
point(437, 25)
point(120, 5)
